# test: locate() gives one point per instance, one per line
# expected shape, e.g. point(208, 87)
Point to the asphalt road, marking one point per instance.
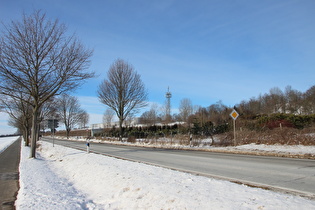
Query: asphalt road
point(281, 174)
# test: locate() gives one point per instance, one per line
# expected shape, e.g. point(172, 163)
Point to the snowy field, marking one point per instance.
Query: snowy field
point(65, 178)
point(5, 142)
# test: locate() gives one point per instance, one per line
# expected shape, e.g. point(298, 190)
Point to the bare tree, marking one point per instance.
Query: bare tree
point(83, 119)
point(47, 112)
point(309, 101)
point(39, 60)
point(145, 118)
point(294, 100)
point(128, 121)
point(153, 113)
point(123, 91)
point(150, 117)
point(69, 111)
point(185, 109)
point(20, 114)
point(108, 117)
point(276, 100)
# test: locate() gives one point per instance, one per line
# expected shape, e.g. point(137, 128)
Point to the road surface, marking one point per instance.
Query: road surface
point(283, 174)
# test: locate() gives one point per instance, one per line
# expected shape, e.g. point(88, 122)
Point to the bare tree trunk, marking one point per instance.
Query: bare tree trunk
point(25, 136)
point(37, 130)
point(34, 133)
point(120, 129)
point(68, 132)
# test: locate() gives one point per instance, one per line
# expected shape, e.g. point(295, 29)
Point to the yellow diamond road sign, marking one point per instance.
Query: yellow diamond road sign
point(234, 115)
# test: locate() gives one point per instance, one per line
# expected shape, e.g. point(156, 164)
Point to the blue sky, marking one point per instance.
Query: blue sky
point(206, 51)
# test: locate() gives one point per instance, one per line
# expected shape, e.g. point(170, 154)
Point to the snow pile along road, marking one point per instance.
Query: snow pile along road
point(288, 149)
point(64, 178)
point(295, 151)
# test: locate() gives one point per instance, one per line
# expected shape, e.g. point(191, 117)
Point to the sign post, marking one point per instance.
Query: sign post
point(234, 115)
point(53, 124)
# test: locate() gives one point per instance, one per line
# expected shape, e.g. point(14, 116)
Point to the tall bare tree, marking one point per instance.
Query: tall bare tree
point(38, 59)
point(123, 91)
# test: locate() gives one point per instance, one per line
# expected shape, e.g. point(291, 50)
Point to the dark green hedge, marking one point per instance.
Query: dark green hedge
point(287, 120)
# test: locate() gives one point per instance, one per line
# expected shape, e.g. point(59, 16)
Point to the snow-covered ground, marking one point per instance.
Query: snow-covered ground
point(5, 142)
point(65, 178)
point(289, 149)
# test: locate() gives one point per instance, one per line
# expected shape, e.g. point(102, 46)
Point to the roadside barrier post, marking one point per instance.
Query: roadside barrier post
point(88, 145)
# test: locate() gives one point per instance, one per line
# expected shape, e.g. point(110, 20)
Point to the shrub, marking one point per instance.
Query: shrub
point(286, 120)
point(131, 139)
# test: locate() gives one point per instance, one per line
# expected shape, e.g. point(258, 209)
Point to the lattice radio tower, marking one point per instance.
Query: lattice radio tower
point(168, 96)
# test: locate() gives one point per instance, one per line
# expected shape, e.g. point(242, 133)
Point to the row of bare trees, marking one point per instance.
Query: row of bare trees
point(64, 108)
point(37, 62)
point(289, 101)
point(214, 115)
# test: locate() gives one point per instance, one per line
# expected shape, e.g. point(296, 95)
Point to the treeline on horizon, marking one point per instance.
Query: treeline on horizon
point(275, 109)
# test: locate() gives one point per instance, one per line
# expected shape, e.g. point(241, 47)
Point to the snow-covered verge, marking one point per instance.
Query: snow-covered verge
point(65, 178)
point(280, 149)
point(5, 142)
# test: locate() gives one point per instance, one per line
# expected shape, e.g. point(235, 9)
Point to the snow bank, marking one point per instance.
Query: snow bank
point(291, 149)
point(5, 142)
point(64, 178)
point(41, 188)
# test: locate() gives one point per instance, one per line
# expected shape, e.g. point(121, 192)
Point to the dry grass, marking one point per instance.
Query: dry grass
point(284, 136)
